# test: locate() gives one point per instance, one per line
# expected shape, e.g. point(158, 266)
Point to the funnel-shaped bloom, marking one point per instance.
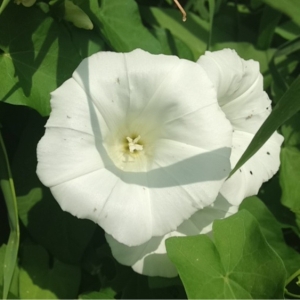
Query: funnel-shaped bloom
point(240, 94)
point(135, 142)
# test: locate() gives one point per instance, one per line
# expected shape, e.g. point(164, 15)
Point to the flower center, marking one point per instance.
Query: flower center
point(131, 147)
point(133, 144)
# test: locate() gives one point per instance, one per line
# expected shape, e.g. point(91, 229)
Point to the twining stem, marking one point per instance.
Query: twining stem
point(288, 281)
point(181, 9)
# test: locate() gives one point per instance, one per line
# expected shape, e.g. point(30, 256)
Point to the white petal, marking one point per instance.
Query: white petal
point(239, 87)
point(259, 168)
point(240, 92)
point(167, 109)
point(151, 258)
point(122, 84)
point(120, 208)
point(191, 187)
point(72, 108)
point(64, 154)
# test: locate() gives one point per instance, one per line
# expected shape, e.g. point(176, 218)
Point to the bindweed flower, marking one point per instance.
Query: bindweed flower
point(136, 143)
point(239, 87)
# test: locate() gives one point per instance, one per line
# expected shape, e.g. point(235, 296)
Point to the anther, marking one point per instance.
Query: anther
point(133, 145)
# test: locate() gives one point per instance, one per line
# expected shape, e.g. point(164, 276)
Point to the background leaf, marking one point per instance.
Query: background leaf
point(268, 23)
point(193, 32)
point(41, 279)
point(290, 178)
point(289, 7)
point(121, 26)
point(63, 235)
point(38, 56)
point(13, 292)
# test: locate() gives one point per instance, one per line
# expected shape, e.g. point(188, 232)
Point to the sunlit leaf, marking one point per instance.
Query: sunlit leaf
point(193, 32)
point(38, 55)
point(289, 7)
point(40, 280)
point(238, 264)
point(171, 45)
point(3, 5)
point(106, 293)
point(121, 25)
point(288, 30)
point(273, 233)
point(13, 292)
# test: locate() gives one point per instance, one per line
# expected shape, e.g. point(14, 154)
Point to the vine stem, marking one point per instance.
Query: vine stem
point(288, 281)
point(181, 10)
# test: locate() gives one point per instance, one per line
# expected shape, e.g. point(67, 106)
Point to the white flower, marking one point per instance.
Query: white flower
point(240, 94)
point(135, 142)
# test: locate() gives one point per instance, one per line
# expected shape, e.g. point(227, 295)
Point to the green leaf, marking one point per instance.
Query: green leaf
point(237, 19)
point(193, 32)
point(13, 292)
point(291, 131)
point(288, 7)
point(268, 23)
point(63, 235)
point(120, 24)
point(106, 293)
point(290, 178)
point(77, 16)
point(87, 42)
point(3, 5)
point(40, 280)
point(288, 105)
point(272, 232)
point(171, 45)
point(288, 30)
point(7, 187)
point(38, 55)
point(124, 282)
point(238, 264)
point(270, 194)
point(211, 5)
point(280, 83)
